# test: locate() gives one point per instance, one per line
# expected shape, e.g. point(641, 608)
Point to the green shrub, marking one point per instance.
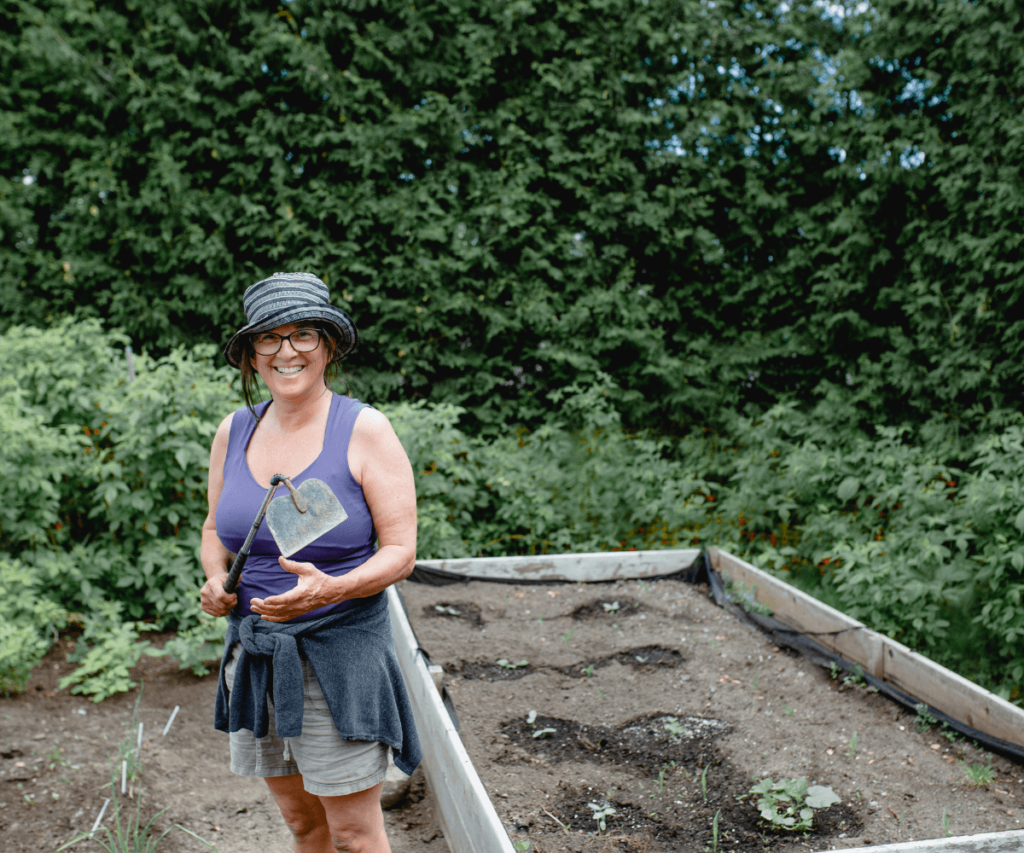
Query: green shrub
point(28, 625)
point(105, 509)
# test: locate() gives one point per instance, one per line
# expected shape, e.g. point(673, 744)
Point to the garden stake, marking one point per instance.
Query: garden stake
point(170, 720)
point(313, 510)
point(106, 803)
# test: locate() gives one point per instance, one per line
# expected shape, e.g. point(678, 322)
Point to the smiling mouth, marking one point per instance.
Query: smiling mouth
point(289, 371)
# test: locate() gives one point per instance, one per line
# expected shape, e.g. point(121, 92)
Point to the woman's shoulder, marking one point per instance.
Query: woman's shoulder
point(370, 421)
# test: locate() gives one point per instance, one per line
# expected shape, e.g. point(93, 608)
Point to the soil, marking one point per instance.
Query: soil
point(647, 701)
point(651, 703)
point(55, 753)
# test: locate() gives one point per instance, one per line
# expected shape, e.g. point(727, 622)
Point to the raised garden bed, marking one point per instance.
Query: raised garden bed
point(657, 711)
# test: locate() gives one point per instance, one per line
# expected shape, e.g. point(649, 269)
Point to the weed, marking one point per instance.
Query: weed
point(660, 783)
point(790, 804)
point(945, 824)
point(788, 710)
point(853, 746)
point(543, 733)
point(952, 735)
point(505, 664)
point(56, 758)
point(567, 636)
point(600, 695)
point(738, 593)
point(853, 677)
point(978, 775)
point(714, 831)
point(756, 678)
point(132, 836)
point(610, 607)
point(704, 783)
point(521, 845)
point(588, 670)
point(924, 721)
point(601, 814)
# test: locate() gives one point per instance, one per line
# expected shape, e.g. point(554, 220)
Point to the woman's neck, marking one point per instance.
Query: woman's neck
point(288, 415)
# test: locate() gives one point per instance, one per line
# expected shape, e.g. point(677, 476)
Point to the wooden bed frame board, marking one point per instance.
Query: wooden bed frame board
point(884, 658)
point(572, 568)
point(995, 842)
point(464, 811)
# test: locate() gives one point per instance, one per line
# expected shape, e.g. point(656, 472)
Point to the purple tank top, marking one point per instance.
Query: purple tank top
point(337, 552)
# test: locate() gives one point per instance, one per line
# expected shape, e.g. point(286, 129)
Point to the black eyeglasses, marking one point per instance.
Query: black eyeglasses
point(302, 340)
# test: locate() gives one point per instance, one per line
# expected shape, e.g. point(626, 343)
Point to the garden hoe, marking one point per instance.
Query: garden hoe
point(295, 521)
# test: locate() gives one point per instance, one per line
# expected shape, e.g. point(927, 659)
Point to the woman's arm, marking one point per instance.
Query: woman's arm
point(379, 464)
point(212, 553)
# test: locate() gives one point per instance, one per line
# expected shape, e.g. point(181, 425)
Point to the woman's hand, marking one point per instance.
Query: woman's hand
point(214, 600)
point(313, 590)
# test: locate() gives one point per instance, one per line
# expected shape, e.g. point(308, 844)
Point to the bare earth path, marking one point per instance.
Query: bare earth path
point(49, 747)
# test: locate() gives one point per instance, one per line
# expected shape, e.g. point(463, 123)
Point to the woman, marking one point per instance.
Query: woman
point(310, 688)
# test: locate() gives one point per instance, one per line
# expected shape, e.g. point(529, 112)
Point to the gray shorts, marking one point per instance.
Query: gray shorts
point(330, 765)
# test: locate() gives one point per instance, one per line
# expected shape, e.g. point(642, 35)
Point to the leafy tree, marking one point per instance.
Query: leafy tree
point(716, 204)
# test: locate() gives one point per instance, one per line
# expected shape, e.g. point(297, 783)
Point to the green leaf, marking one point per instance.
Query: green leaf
point(848, 488)
point(821, 797)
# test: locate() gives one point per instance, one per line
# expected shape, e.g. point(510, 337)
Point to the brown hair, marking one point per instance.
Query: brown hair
point(250, 378)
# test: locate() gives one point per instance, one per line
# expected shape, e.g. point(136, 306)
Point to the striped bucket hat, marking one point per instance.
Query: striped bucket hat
point(289, 297)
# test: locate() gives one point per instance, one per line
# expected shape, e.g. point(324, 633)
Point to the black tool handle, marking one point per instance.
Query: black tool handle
point(231, 584)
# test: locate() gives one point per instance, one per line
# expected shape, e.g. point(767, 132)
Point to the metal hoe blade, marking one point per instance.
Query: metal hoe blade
point(293, 530)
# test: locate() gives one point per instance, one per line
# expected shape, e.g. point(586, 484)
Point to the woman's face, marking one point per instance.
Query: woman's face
point(290, 374)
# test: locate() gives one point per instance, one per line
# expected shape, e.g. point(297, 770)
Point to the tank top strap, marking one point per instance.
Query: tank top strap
point(341, 422)
point(243, 425)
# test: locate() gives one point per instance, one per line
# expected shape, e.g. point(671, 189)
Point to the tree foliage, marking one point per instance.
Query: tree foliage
point(715, 204)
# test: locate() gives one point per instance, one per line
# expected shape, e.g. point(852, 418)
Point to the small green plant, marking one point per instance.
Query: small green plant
point(924, 720)
point(853, 746)
point(447, 610)
point(788, 710)
point(789, 804)
point(531, 720)
point(568, 635)
point(601, 813)
point(978, 775)
point(704, 783)
point(676, 728)
point(610, 607)
point(506, 664)
point(521, 845)
point(588, 670)
point(945, 823)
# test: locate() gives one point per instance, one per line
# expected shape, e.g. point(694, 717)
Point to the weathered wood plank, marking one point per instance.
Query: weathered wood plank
point(573, 568)
point(465, 813)
point(994, 842)
point(833, 629)
point(922, 678)
point(952, 694)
